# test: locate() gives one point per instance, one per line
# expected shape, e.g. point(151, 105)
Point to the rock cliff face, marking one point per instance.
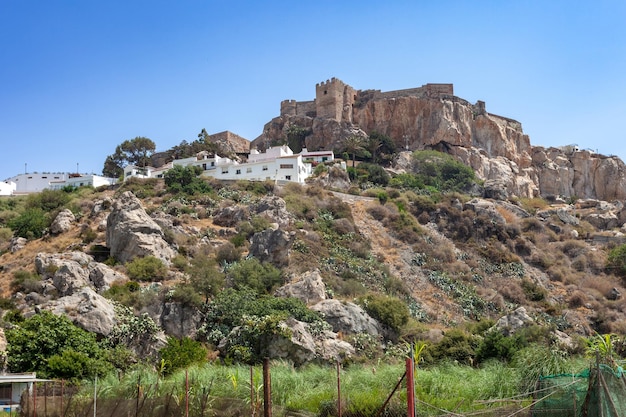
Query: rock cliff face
point(431, 117)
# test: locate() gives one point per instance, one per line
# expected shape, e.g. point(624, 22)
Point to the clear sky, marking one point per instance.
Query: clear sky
point(79, 77)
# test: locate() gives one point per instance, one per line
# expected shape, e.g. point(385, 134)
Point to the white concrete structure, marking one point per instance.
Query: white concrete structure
point(7, 187)
point(317, 157)
point(133, 171)
point(35, 182)
point(278, 163)
point(82, 180)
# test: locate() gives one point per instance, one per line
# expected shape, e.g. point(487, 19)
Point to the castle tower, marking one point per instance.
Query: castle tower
point(334, 100)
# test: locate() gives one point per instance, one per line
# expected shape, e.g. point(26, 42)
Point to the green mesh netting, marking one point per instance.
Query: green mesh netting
point(600, 392)
point(561, 395)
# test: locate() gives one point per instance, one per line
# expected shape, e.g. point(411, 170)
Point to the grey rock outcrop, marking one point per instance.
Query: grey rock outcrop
point(347, 318)
point(62, 222)
point(132, 233)
point(17, 243)
point(308, 287)
point(513, 322)
point(229, 216)
point(70, 271)
point(274, 208)
point(272, 246)
point(296, 344)
point(176, 319)
point(87, 309)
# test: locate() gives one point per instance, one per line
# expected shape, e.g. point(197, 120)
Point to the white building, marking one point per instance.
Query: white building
point(80, 180)
point(133, 171)
point(278, 163)
point(7, 187)
point(35, 182)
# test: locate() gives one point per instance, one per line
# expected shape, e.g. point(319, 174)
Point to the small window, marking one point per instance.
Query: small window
point(56, 178)
point(264, 167)
point(288, 177)
point(248, 170)
point(238, 172)
point(286, 166)
point(30, 178)
point(325, 92)
point(44, 178)
point(224, 170)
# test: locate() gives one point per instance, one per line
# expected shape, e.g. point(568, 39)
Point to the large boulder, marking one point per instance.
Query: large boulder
point(71, 271)
point(347, 318)
point(229, 216)
point(296, 343)
point(62, 222)
point(308, 287)
point(87, 309)
point(176, 319)
point(272, 246)
point(274, 208)
point(132, 233)
point(511, 323)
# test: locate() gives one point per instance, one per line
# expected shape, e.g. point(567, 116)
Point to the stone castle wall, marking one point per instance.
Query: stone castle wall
point(334, 99)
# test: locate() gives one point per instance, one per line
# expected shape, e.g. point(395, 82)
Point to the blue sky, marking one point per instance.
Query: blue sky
point(79, 77)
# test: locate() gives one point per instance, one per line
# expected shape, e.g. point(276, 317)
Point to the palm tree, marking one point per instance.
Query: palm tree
point(354, 145)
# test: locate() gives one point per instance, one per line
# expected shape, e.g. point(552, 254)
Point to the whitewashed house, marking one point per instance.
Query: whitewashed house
point(277, 163)
point(35, 182)
point(82, 180)
point(133, 171)
point(7, 187)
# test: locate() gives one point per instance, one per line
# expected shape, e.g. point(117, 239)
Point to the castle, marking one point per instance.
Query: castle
point(335, 99)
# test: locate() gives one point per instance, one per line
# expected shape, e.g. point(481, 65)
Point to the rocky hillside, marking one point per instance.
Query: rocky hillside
point(361, 261)
point(494, 146)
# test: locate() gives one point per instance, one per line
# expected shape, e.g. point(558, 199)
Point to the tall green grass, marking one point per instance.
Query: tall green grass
point(313, 388)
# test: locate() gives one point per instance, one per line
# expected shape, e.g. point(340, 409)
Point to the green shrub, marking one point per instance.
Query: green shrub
point(456, 345)
point(616, 261)
point(533, 291)
point(48, 200)
point(181, 179)
point(181, 353)
point(205, 277)
point(147, 268)
point(66, 351)
point(25, 281)
point(389, 311)
point(251, 273)
point(30, 224)
point(438, 170)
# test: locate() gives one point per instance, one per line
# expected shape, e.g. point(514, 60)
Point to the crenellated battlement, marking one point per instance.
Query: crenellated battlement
point(335, 99)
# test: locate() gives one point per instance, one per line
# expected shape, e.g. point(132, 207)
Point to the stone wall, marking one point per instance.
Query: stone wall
point(298, 108)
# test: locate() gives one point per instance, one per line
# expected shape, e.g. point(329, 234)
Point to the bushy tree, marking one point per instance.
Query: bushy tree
point(53, 346)
point(185, 180)
point(205, 277)
point(252, 273)
point(30, 224)
point(380, 146)
point(181, 353)
point(616, 260)
point(389, 311)
point(135, 151)
point(442, 171)
point(148, 268)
